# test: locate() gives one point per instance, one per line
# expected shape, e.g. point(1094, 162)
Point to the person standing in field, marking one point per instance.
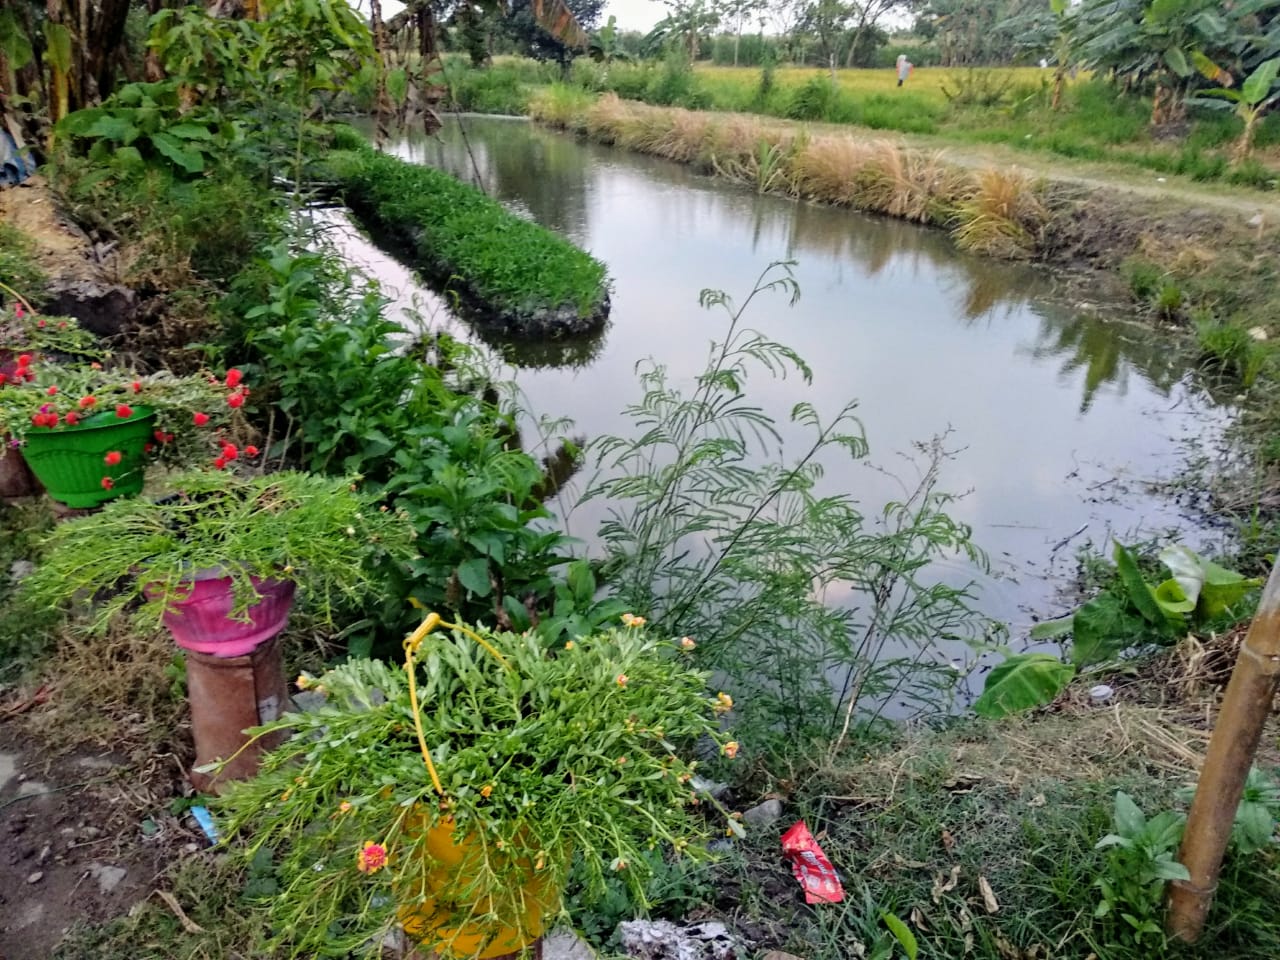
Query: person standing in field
point(904, 68)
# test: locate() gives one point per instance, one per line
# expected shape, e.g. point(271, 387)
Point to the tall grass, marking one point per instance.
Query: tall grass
point(999, 213)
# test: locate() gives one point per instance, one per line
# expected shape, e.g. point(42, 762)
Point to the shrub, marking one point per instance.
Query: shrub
point(816, 100)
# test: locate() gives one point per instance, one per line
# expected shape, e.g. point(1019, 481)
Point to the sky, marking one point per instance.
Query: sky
point(632, 14)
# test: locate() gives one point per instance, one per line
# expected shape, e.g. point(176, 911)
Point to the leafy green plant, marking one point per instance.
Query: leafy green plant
point(1141, 860)
point(1254, 827)
point(517, 273)
point(141, 553)
point(1254, 97)
point(1128, 613)
point(526, 758)
point(714, 538)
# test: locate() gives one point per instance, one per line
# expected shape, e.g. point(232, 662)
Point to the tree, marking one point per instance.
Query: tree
point(737, 13)
point(827, 21)
point(1255, 96)
point(683, 27)
point(868, 14)
point(522, 24)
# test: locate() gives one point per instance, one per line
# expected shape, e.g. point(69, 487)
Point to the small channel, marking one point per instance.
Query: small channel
point(1065, 419)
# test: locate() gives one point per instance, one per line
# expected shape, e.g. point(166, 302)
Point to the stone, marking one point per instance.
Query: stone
point(712, 788)
point(779, 955)
point(664, 940)
point(29, 788)
point(21, 569)
point(31, 913)
point(108, 877)
point(8, 767)
point(35, 877)
point(763, 814)
point(564, 944)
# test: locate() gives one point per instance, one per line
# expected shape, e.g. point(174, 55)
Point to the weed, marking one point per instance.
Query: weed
point(1002, 217)
point(1232, 349)
point(19, 267)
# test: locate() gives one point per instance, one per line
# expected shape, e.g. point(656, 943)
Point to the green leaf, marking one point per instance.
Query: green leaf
point(1049, 629)
point(474, 575)
point(113, 126)
point(1059, 7)
point(1103, 627)
point(581, 582)
point(14, 42)
point(1208, 69)
point(1177, 61)
point(1129, 819)
point(1187, 569)
point(1172, 600)
point(127, 158)
point(190, 160)
point(902, 933)
point(1258, 86)
point(58, 46)
point(1023, 681)
point(190, 131)
point(1170, 870)
point(1253, 827)
point(1140, 593)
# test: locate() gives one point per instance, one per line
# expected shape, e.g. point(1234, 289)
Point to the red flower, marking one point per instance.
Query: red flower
point(148, 447)
point(168, 438)
point(229, 451)
point(72, 419)
point(24, 359)
point(200, 419)
point(251, 451)
point(233, 378)
point(87, 402)
point(4, 378)
point(95, 365)
point(371, 857)
point(41, 324)
point(112, 458)
point(219, 463)
point(159, 435)
point(52, 391)
point(107, 483)
point(124, 411)
point(137, 387)
point(235, 400)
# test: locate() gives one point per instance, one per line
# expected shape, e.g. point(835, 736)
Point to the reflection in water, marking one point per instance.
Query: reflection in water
point(1065, 418)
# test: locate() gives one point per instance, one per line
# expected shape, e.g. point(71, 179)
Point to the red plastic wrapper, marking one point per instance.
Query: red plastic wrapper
point(813, 870)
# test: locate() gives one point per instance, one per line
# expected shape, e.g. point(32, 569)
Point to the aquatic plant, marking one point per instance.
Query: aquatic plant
point(512, 270)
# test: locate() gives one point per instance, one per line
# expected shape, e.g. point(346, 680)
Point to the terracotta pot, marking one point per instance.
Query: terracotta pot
point(201, 620)
point(432, 920)
point(228, 696)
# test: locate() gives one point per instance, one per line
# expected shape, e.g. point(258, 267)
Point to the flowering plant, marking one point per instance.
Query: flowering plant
point(196, 416)
point(318, 531)
point(458, 790)
point(24, 331)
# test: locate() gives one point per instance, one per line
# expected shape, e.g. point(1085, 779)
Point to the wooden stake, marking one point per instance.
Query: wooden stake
point(1245, 709)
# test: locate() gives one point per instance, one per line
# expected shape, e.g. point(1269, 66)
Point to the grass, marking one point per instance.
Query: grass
point(993, 212)
point(511, 268)
point(18, 265)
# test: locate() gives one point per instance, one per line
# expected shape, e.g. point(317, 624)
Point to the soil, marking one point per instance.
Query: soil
point(83, 836)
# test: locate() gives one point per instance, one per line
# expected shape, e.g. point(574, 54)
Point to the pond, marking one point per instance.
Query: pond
point(1064, 418)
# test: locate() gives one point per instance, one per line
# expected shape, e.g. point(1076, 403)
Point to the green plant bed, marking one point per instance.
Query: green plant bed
point(511, 275)
point(71, 461)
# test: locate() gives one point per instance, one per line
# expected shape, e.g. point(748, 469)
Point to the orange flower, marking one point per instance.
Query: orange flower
point(621, 680)
point(631, 620)
point(303, 681)
point(724, 702)
point(731, 749)
point(344, 806)
point(569, 645)
point(371, 858)
point(687, 644)
point(486, 790)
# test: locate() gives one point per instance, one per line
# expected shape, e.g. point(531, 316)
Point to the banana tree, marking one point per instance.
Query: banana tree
point(1249, 101)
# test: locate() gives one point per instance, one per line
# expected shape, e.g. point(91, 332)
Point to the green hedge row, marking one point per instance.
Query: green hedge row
point(508, 271)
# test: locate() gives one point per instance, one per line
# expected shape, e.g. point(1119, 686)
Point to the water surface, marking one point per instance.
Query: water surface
point(1062, 416)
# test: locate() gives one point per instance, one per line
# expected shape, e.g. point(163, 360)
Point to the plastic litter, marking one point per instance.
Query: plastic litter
point(811, 867)
point(205, 820)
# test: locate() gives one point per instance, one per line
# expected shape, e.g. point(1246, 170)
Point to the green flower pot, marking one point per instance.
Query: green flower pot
point(71, 461)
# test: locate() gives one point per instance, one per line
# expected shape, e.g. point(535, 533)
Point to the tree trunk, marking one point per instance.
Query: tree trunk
point(737, 36)
point(1059, 82)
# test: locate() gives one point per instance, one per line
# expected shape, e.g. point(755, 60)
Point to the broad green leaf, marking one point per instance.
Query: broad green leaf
point(190, 160)
point(14, 42)
point(127, 158)
point(902, 933)
point(1222, 590)
point(1129, 820)
point(1103, 627)
point(1023, 681)
point(1208, 69)
point(58, 46)
point(1177, 61)
point(1258, 85)
point(1173, 600)
point(1170, 870)
point(80, 122)
point(1253, 828)
point(1140, 593)
point(114, 127)
point(1059, 7)
point(1049, 629)
point(474, 575)
point(581, 581)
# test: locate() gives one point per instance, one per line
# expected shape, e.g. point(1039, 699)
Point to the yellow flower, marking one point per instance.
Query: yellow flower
point(687, 644)
point(631, 620)
point(285, 796)
point(724, 702)
point(486, 790)
point(570, 645)
point(303, 681)
point(731, 749)
point(344, 806)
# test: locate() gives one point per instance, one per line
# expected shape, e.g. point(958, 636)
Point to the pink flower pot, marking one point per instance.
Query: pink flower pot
point(202, 620)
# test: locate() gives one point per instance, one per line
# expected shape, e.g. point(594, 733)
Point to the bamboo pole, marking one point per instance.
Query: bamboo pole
point(1245, 709)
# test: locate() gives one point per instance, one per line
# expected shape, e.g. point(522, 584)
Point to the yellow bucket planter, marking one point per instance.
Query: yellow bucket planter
point(435, 911)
